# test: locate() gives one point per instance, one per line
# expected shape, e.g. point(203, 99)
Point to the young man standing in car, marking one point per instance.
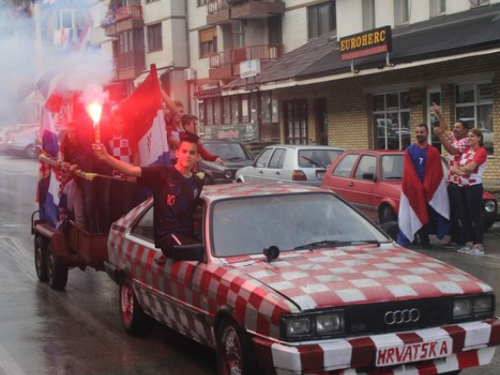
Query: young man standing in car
point(175, 191)
point(455, 142)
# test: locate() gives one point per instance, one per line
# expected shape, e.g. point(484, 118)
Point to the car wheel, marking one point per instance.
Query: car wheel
point(387, 215)
point(41, 259)
point(134, 320)
point(57, 273)
point(487, 226)
point(208, 180)
point(233, 356)
point(31, 151)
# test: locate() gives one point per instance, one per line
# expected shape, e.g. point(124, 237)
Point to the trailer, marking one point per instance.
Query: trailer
point(56, 252)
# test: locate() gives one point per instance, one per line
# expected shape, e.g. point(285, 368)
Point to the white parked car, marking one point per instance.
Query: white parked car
point(302, 164)
point(25, 142)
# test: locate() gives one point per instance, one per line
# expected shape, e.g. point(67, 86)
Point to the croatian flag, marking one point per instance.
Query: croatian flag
point(415, 196)
point(144, 117)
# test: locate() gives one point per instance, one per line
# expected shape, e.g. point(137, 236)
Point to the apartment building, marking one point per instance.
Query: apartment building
point(442, 51)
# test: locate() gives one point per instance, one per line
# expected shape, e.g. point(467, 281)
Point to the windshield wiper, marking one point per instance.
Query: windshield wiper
point(323, 243)
point(313, 162)
point(326, 243)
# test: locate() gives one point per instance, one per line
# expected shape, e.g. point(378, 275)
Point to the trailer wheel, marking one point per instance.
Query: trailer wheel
point(134, 320)
point(41, 259)
point(57, 273)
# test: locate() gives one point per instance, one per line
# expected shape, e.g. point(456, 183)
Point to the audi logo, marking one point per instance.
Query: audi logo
point(401, 316)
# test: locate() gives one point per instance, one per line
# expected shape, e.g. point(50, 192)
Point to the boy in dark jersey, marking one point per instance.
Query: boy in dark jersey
point(175, 191)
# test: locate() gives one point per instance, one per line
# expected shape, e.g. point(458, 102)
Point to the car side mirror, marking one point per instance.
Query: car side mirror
point(194, 252)
point(369, 176)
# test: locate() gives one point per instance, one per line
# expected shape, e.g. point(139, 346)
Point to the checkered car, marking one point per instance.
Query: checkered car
point(290, 279)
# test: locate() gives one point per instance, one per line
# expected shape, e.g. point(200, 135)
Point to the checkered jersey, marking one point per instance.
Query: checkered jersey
point(121, 149)
point(479, 157)
point(461, 145)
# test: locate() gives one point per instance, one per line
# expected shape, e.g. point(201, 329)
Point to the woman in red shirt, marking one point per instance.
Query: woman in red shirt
point(470, 171)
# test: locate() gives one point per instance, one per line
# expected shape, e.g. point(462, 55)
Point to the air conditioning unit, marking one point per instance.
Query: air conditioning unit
point(189, 74)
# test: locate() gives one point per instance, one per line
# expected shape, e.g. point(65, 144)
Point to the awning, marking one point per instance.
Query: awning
point(144, 74)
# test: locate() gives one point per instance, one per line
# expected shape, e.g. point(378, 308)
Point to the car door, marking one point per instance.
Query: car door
point(167, 290)
point(274, 171)
point(339, 179)
point(255, 172)
point(364, 186)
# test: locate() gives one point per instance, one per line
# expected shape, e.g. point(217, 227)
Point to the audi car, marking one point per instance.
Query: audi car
point(290, 279)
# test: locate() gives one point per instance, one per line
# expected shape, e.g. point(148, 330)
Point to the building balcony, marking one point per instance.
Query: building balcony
point(130, 64)
point(225, 65)
point(124, 18)
point(223, 11)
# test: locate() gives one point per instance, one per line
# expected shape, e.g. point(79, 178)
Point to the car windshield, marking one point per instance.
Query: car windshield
point(317, 158)
point(226, 151)
point(295, 221)
point(392, 167)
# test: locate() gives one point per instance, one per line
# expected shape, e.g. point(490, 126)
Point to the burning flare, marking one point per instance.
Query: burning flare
point(94, 110)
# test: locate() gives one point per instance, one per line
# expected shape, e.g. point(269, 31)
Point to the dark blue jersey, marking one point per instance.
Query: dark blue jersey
point(174, 199)
point(418, 157)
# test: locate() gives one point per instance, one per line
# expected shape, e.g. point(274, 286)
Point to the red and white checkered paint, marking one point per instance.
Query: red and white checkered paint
point(188, 296)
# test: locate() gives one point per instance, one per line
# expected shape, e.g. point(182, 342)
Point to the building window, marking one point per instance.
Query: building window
point(238, 33)
point(437, 7)
point(401, 12)
point(321, 19)
point(208, 41)
point(478, 3)
point(202, 2)
point(150, 1)
point(391, 121)
point(474, 106)
point(368, 14)
point(154, 38)
point(296, 122)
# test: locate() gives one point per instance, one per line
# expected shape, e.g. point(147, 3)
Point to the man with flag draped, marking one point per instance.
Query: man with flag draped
point(424, 197)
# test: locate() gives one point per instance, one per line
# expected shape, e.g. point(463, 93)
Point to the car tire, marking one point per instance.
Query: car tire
point(135, 322)
point(31, 151)
point(209, 180)
point(387, 215)
point(41, 259)
point(233, 350)
point(57, 273)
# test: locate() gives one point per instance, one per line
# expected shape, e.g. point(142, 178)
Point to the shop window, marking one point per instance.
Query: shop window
point(210, 111)
point(154, 38)
point(474, 106)
point(401, 12)
point(391, 121)
point(368, 14)
point(321, 19)
point(437, 7)
point(265, 105)
point(235, 113)
point(478, 3)
point(226, 111)
point(208, 41)
point(217, 111)
point(245, 112)
point(254, 114)
point(296, 121)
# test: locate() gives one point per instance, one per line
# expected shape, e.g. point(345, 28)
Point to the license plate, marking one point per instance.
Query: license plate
point(419, 351)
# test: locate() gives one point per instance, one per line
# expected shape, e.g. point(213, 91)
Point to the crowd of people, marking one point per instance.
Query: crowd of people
point(95, 204)
point(467, 162)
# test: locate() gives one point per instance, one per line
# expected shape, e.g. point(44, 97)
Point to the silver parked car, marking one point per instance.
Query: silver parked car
point(25, 142)
point(302, 164)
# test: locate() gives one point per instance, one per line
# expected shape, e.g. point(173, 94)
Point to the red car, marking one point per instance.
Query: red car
point(371, 181)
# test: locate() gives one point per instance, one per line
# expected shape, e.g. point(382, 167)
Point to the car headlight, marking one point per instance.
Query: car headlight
point(490, 206)
point(313, 325)
point(475, 306)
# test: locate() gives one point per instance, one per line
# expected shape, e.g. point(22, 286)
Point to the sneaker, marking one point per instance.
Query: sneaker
point(476, 250)
point(465, 249)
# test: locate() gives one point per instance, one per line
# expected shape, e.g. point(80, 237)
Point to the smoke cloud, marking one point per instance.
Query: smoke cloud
point(22, 59)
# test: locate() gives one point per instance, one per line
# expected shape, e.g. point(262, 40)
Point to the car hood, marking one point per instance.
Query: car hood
point(357, 275)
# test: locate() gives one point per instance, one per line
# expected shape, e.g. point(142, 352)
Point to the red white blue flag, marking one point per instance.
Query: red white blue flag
point(143, 114)
point(416, 195)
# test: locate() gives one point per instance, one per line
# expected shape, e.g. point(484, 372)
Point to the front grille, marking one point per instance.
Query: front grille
point(374, 318)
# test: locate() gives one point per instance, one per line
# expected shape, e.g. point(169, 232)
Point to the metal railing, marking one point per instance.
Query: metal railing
point(214, 6)
point(263, 52)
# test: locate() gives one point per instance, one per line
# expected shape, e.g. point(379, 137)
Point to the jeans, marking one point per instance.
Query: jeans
point(456, 215)
point(471, 204)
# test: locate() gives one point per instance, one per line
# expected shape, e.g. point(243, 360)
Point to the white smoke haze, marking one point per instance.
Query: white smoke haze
point(76, 70)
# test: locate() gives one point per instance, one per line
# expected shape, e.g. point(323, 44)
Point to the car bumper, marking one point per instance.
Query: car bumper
point(472, 345)
point(491, 218)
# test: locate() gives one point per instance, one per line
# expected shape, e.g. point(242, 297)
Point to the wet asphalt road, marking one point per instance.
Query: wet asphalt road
point(78, 331)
